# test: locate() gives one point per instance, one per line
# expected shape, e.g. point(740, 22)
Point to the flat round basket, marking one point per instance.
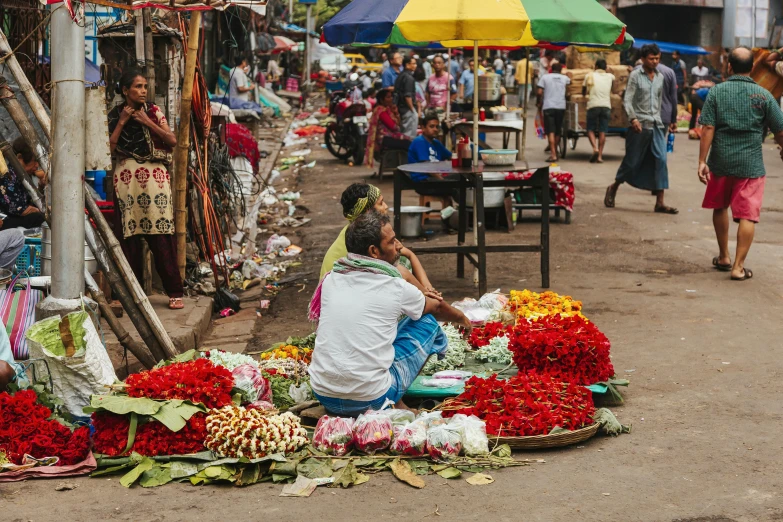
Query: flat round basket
point(548, 441)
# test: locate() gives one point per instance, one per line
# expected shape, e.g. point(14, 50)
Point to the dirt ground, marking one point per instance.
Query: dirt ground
point(702, 353)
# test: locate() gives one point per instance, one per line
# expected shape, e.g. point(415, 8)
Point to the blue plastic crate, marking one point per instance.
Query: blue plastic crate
point(30, 256)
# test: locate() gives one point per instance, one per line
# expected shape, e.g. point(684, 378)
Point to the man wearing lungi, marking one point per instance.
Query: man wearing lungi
point(644, 165)
point(365, 355)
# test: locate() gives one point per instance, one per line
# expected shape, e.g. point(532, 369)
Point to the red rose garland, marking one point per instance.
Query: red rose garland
point(25, 428)
point(197, 381)
point(570, 349)
point(526, 404)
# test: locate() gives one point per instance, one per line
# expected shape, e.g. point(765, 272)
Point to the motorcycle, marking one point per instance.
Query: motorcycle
point(346, 137)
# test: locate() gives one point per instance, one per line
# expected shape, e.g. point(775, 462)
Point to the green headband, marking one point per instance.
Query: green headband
point(364, 203)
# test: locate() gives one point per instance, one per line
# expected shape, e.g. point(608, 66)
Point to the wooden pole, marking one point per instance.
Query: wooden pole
point(14, 108)
point(149, 54)
point(182, 151)
point(25, 87)
point(525, 101)
point(107, 267)
point(126, 341)
point(126, 273)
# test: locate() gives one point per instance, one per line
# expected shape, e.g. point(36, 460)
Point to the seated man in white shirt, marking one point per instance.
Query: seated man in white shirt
point(364, 354)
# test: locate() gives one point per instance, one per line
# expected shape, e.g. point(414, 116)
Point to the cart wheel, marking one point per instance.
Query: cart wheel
point(563, 145)
point(572, 141)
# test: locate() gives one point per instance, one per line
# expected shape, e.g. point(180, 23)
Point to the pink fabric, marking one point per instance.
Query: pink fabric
point(561, 183)
point(742, 195)
point(81, 468)
point(438, 88)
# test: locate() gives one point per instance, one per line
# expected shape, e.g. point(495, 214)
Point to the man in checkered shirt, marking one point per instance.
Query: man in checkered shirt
point(733, 118)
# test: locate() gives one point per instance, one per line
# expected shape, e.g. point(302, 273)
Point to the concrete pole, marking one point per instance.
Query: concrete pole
point(67, 156)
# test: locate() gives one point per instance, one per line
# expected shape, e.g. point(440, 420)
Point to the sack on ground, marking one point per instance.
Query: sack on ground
point(77, 359)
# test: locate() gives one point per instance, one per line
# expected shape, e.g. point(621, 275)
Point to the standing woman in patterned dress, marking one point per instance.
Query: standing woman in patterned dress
point(141, 144)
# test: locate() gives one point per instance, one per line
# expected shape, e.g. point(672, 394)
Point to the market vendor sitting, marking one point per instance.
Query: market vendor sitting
point(15, 201)
point(356, 200)
point(364, 355)
point(426, 147)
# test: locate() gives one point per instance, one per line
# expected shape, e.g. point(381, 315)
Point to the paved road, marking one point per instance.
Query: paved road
point(703, 354)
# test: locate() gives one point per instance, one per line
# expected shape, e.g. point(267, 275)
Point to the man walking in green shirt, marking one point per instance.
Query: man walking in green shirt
point(733, 118)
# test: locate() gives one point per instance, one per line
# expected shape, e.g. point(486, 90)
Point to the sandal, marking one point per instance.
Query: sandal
point(609, 198)
point(551, 160)
point(746, 274)
point(175, 303)
point(666, 210)
point(594, 157)
point(720, 266)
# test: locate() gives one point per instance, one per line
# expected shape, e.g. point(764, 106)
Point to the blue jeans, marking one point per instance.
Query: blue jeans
point(415, 342)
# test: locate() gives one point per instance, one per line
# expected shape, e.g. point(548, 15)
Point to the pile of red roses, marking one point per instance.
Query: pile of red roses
point(570, 349)
point(197, 381)
point(152, 438)
point(483, 335)
point(526, 404)
point(25, 428)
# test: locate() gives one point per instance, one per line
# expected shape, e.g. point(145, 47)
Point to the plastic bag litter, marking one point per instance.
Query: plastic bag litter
point(474, 433)
point(333, 435)
point(299, 393)
point(248, 378)
point(289, 196)
point(410, 439)
point(372, 432)
point(444, 442)
point(301, 153)
point(251, 270)
point(275, 243)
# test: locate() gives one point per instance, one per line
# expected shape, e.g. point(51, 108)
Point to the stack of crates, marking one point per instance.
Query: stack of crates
point(30, 258)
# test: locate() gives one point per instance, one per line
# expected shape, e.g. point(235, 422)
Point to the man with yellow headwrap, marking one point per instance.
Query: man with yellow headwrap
point(356, 200)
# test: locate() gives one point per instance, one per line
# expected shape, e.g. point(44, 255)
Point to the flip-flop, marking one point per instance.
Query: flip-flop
point(551, 160)
point(746, 274)
point(720, 266)
point(594, 157)
point(666, 210)
point(609, 197)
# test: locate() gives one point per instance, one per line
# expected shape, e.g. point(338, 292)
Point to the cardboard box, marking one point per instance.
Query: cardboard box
point(618, 118)
point(581, 109)
point(577, 80)
point(621, 74)
point(577, 60)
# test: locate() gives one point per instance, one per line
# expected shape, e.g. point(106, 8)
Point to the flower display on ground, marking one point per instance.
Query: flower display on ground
point(199, 381)
point(235, 431)
point(570, 349)
point(526, 404)
point(530, 305)
point(26, 429)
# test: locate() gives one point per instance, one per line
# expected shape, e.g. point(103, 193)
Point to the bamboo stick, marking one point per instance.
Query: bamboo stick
point(25, 87)
point(120, 291)
point(107, 267)
point(525, 101)
point(182, 151)
point(127, 342)
point(126, 273)
point(149, 54)
point(14, 108)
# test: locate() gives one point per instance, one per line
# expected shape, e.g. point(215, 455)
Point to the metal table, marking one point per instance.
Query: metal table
point(473, 178)
point(504, 126)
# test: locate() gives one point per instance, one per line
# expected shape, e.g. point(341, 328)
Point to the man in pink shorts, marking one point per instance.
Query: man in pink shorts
point(734, 115)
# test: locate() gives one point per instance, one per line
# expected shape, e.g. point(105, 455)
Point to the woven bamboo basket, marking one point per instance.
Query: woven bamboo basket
point(547, 441)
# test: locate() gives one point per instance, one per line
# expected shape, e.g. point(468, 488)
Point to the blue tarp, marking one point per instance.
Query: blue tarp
point(669, 47)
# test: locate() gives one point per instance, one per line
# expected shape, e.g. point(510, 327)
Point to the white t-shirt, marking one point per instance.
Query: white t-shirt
point(238, 79)
point(354, 342)
point(498, 64)
point(599, 89)
point(554, 86)
point(700, 72)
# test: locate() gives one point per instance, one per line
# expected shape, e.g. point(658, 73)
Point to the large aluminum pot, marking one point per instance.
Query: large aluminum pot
point(46, 253)
point(489, 87)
